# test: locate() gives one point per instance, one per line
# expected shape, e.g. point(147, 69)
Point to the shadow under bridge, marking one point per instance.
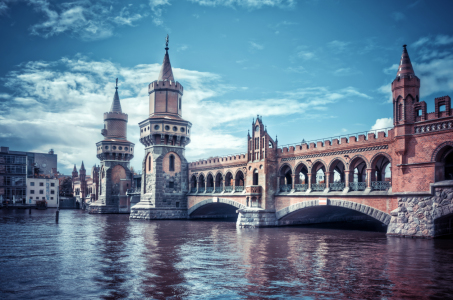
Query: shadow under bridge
point(356, 216)
point(215, 208)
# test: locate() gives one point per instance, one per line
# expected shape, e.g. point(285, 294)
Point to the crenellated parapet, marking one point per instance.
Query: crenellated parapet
point(215, 162)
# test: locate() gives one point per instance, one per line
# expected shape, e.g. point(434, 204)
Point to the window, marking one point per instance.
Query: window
point(156, 127)
point(167, 127)
point(52, 184)
point(107, 147)
point(41, 192)
point(149, 164)
point(41, 184)
point(43, 198)
point(182, 129)
point(179, 103)
point(32, 183)
point(400, 112)
point(419, 112)
point(177, 204)
point(37, 198)
point(52, 192)
point(442, 108)
point(175, 128)
point(51, 198)
point(270, 145)
point(171, 185)
point(121, 148)
point(172, 162)
point(114, 147)
point(32, 191)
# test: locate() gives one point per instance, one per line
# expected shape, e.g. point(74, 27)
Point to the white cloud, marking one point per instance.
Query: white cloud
point(443, 39)
point(256, 46)
point(5, 96)
point(382, 123)
point(392, 70)
point(398, 16)
point(3, 8)
point(386, 90)
point(60, 105)
point(338, 46)
point(421, 41)
point(346, 72)
point(250, 4)
point(298, 69)
point(157, 8)
point(306, 55)
point(85, 19)
point(182, 48)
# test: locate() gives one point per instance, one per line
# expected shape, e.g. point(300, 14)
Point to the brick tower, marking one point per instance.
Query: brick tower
point(165, 135)
point(115, 152)
point(405, 94)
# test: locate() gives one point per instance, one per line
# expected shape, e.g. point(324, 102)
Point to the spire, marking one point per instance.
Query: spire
point(166, 72)
point(116, 105)
point(75, 169)
point(82, 167)
point(405, 67)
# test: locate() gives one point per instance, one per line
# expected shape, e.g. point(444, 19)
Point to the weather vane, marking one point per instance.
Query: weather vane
point(116, 87)
point(166, 41)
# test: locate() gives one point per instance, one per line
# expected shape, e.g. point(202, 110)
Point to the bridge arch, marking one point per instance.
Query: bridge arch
point(288, 215)
point(212, 203)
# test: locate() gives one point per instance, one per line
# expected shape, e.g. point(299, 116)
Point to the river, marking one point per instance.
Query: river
point(109, 257)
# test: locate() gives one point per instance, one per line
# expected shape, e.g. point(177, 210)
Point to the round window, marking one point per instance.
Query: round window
point(250, 168)
point(174, 128)
point(182, 129)
point(114, 147)
point(145, 129)
point(257, 128)
point(106, 147)
point(121, 148)
point(131, 149)
point(125, 148)
point(156, 127)
point(167, 127)
point(261, 167)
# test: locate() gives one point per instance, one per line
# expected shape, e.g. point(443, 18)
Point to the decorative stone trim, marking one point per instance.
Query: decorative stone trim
point(383, 147)
point(433, 127)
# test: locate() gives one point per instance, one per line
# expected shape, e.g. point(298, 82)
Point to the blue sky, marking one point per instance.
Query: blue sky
point(312, 69)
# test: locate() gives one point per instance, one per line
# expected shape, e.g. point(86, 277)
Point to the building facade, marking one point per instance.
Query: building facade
point(115, 152)
point(17, 166)
point(400, 177)
point(43, 189)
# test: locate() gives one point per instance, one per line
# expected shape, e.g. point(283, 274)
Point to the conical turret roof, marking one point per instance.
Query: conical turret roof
point(75, 169)
point(405, 67)
point(116, 105)
point(82, 167)
point(166, 73)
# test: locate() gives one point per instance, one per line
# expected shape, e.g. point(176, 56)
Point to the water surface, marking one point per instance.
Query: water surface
point(109, 257)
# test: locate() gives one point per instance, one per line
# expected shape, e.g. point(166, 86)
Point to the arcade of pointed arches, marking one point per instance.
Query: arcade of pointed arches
point(356, 173)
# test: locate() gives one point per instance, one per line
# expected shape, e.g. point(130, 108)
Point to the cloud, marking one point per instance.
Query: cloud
point(306, 55)
point(421, 41)
point(250, 4)
point(3, 8)
point(256, 46)
point(338, 46)
point(428, 41)
point(298, 69)
point(82, 18)
point(346, 72)
point(157, 8)
point(386, 90)
point(443, 39)
point(392, 70)
point(398, 16)
point(382, 123)
point(182, 48)
point(60, 105)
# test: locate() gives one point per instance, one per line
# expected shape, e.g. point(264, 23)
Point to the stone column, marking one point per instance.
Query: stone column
point(293, 177)
point(205, 184)
point(327, 178)
point(309, 181)
point(369, 173)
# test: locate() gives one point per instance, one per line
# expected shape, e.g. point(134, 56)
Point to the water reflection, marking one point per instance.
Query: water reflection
point(110, 257)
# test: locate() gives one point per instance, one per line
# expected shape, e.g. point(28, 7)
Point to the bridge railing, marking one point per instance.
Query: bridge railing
point(357, 186)
point(201, 190)
point(239, 188)
point(318, 186)
point(218, 190)
point(193, 190)
point(380, 185)
point(209, 189)
point(301, 187)
point(285, 188)
point(337, 186)
point(228, 189)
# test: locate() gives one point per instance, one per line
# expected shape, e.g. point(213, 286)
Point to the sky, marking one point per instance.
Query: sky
point(311, 69)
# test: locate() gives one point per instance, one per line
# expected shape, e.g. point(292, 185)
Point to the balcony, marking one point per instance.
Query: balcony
point(209, 189)
point(228, 189)
point(239, 188)
point(193, 190)
point(200, 190)
point(253, 189)
point(218, 190)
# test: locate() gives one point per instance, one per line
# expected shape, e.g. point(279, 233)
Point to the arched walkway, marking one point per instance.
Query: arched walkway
point(210, 208)
point(309, 212)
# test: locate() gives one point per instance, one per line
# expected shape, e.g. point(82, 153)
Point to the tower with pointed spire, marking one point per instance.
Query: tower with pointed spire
point(115, 153)
point(405, 95)
point(164, 133)
point(83, 182)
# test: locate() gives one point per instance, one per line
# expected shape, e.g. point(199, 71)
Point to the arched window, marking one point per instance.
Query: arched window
point(149, 163)
point(400, 112)
point(179, 103)
point(172, 162)
point(255, 177)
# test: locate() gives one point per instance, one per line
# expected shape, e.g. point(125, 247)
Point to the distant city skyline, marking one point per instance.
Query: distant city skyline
point(316, 68)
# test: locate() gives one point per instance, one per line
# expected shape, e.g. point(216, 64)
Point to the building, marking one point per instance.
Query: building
point(400, 177)
point(43, 189)
point(17, 166)
point(115, 152)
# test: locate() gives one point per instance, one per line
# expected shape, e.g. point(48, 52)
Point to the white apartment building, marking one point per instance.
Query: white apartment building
point(43, 189)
